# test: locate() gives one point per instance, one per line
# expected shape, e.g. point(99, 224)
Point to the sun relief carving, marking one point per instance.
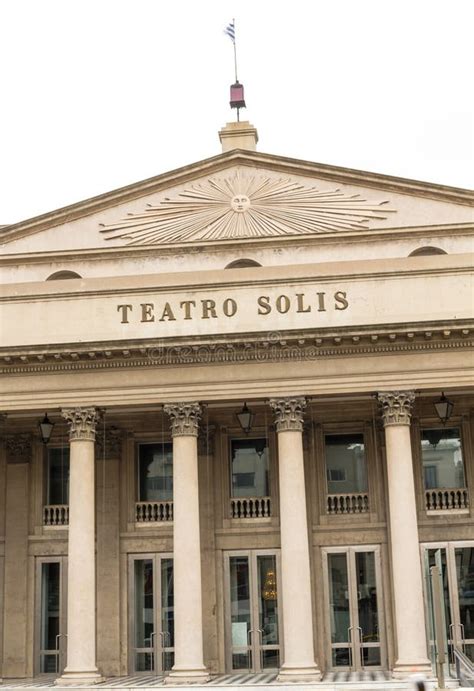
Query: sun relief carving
point(246, 206)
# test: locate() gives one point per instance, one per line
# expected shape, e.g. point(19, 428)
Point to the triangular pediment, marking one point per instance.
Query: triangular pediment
point(241, 197)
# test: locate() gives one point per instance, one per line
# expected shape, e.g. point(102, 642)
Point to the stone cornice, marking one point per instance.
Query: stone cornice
point(234, 157)
point(156, 284)
point(224, 246)
point(247, 348)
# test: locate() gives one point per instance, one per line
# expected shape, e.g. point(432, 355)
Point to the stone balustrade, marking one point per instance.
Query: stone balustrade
point(153, 511)
point(250, 507)
point(443, 499)
point(348, 503)
point(56, 515)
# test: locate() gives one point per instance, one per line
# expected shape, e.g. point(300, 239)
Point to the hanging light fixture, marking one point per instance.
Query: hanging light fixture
point(444, 408)
point(46, 428)
point(269, 591)
point(245, 418)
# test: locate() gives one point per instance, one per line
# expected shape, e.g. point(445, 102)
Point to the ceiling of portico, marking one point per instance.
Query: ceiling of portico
point(241, 197)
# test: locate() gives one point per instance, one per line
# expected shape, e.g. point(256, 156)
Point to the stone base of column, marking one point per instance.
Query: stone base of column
point(298, 675)
point(402, 670)
point(187, 676)
point(79, 678)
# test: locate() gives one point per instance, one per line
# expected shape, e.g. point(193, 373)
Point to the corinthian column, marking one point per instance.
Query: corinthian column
point(188, 641)
point(406, 564)
point(298, 647)
point(81, 665)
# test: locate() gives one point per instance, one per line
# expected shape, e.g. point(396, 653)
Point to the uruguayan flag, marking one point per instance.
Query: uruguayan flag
point(230, 31)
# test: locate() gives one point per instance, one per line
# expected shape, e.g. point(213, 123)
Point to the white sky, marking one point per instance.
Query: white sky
point(97, 94)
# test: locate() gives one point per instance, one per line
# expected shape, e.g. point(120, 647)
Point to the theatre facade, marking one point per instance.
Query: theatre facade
point(258, 374)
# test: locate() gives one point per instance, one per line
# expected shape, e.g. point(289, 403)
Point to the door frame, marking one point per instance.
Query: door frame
point(251, 555)
point(355, 650)
point(157, 650)
point(62, 560)
point(450, 546)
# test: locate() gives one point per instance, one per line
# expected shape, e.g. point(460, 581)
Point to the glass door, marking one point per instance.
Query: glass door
point(51, 615)
point(253, 637)
point(354, 608)
point(152, 613)
point(456, 562)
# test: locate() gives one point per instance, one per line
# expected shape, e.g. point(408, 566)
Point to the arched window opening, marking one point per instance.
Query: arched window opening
point(63, 276)
point(426, 251)
point(242, 264)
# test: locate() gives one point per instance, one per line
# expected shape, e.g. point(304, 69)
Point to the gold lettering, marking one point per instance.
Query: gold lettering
point(167, 313)
point(300, 301)
point(340, 298)
point(264, 304)
point(283, 304)
point(208, 307)
point(187, 304)
point(321, 307)
point(229, 307)
point(147, 312)
point(125, 309)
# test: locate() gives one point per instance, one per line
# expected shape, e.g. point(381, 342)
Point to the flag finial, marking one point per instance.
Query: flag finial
point(237, 89)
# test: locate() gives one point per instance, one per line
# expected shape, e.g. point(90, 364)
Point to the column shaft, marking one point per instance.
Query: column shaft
point(406, 563)
point(189, 660)
point(298, 663)
point(81, 595)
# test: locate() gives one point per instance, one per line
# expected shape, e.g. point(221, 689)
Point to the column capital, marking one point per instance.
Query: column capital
point(19, 448)
point(113, 443)
point(82, 423)
point(288, 413)
point(396, 407)
point(184, 418)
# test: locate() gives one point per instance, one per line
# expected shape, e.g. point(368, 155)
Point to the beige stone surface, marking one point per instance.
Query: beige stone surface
point(15, 612)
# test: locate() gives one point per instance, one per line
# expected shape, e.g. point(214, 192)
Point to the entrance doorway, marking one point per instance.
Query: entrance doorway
point(252, 620)
point(51, 603)
point(456, 562)
point(354, 608)
point(151, 613)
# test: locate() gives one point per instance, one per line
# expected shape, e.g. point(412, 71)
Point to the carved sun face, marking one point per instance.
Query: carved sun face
point(240, 203)
point(245, 205)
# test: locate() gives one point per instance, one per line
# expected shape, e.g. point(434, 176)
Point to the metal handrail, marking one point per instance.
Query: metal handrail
point(464, 668)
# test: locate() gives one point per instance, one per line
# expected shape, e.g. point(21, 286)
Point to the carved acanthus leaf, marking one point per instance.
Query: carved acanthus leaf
point(288, 413)
point(82, 422)
point(184, 418)
point(396, 407)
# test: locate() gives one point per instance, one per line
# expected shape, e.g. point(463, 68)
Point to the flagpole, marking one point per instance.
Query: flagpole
point(235, 51)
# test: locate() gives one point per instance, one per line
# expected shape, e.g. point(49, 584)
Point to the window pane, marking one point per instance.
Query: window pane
point(367, 598)
point(442, 458)
point(144, 605)
point(339, 599)
point(240, 603)
point(268, 600)
point(58, 476)
point(345, 463)
point(155, 472)
point(50, 614)
point(249, 467)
